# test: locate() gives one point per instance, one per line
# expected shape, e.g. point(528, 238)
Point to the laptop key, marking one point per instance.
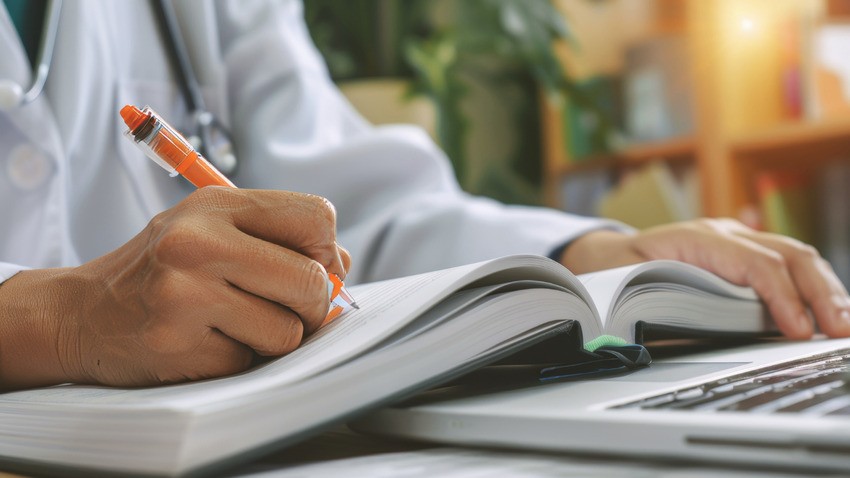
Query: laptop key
point(696, 400)
point(759, 401)
point(830, 406)
point(843, 411)
point(819, 395)
point(792, 390)
point(817, 385)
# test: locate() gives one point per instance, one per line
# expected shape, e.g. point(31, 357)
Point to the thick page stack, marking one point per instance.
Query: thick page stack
point(409, 334)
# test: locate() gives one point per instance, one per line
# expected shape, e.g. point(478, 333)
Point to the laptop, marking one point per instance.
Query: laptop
point(771, 404)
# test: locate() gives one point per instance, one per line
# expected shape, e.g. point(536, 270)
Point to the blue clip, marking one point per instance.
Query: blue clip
point(607, 360)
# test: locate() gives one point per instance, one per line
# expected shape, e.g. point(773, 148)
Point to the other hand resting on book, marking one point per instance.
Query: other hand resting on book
point(790, 276)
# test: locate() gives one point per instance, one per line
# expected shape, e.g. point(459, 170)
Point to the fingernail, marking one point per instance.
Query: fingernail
point(804, 323)
point(845, 316)
point(842, 304)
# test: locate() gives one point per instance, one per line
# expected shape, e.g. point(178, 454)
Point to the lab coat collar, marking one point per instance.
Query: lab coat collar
point(35, 120)
point(14, 64)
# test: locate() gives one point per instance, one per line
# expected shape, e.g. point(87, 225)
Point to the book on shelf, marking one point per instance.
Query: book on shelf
point(658, 89)
point(650, 196)
point(581, 192)
point(785, 198)
point(833, 222)
point(410, 334)
point(828, 72)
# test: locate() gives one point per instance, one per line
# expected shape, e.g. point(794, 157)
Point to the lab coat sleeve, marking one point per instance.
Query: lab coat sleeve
point(7, 270)
point(400, 210)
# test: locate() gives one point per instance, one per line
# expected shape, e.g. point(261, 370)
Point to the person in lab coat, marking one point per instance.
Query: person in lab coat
point(112, 272)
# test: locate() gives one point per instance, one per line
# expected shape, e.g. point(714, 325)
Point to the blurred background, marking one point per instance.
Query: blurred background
point(645, 111)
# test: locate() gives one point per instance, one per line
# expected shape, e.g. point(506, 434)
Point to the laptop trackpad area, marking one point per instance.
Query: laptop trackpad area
point(675, 371)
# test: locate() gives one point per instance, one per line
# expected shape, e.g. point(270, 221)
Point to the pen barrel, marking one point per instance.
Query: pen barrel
point(201, 173)
point(168, 148)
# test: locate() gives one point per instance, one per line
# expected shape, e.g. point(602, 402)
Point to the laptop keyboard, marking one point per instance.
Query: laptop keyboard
point(818, 385)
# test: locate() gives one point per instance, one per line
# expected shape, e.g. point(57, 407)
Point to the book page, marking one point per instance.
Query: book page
point(384, 307)
point(671, 293)
point(603, 287)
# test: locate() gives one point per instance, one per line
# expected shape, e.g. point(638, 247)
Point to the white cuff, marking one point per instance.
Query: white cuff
point(7, 270)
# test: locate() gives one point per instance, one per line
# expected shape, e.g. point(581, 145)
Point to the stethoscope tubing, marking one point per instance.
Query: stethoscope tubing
point(44, 57)
point(204, 120)
point(180, 57)
point(190, 88)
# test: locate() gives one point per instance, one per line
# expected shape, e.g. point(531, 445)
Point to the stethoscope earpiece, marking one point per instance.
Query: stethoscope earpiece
point(11, 95)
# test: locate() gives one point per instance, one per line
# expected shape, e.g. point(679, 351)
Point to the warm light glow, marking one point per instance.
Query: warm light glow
point(747, 24)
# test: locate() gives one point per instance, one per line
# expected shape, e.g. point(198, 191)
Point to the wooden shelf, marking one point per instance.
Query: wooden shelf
point(735, 88)
point(675, 149)
point(791, 136)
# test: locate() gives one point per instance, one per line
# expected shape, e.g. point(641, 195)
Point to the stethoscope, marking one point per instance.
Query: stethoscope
point(208, 135)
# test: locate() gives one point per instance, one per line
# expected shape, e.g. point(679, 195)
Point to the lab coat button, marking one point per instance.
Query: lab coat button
point(27, 167)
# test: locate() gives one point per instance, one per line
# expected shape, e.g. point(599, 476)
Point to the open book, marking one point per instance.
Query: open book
point(410, 334)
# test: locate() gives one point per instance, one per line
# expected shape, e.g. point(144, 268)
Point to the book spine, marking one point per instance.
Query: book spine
point(786, 204)
point(834, 220)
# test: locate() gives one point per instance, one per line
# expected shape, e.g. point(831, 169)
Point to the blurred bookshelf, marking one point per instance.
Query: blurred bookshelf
point(673, 149)
point(748, 100)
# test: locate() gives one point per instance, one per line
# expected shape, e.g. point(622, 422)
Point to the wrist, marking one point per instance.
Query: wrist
point(598, 250)
point(35, 334)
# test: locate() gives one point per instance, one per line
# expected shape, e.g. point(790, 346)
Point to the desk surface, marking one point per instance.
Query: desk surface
point(345, 453)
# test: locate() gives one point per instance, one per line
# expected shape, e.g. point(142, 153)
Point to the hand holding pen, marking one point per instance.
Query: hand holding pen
point(223, 276)
point(169, 149)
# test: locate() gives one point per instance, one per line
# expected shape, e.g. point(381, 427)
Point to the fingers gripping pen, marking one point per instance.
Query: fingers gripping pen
point(172, 151)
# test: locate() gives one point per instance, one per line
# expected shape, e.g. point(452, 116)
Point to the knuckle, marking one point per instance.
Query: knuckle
point(181, 241)
point(320, 216)
point(731, 222)
point(311, 285)
point(806, 251)
point(718, 225)
point(286, 336)
point(708, 224)
point(323, 209)
point(312, 278)
point(158, 223)
point(800, 253)
point(774, 261)
point(211, 197)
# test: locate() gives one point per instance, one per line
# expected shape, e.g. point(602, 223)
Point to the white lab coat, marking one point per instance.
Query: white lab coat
point(72, 188)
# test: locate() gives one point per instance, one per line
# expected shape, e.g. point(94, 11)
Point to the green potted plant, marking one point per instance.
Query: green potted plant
point(362, 42)
point(450, 51)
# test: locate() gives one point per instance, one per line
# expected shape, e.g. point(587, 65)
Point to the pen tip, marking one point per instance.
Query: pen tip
point(354, 304)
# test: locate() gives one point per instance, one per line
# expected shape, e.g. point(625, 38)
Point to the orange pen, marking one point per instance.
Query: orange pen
point(168, 148)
